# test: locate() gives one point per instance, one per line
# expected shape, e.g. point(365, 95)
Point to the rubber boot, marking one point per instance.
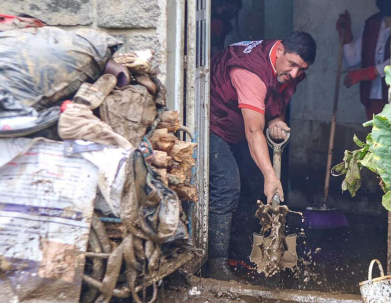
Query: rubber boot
point(219, 236)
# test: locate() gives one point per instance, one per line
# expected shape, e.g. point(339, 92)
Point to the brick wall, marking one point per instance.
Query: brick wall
point(138, 24)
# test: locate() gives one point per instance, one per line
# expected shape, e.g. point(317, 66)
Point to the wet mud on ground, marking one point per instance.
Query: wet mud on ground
point(332, 261)
point(208, 291)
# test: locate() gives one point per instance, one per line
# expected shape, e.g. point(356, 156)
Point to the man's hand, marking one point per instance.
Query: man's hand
point(278, 130)
point(344, 27)
point(358, 75)
point(273, 186)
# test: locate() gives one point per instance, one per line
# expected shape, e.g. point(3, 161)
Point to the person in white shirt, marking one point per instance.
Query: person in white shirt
point(371, 52)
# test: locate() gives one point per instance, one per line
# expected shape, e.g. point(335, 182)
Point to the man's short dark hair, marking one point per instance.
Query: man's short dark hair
point(301, 43)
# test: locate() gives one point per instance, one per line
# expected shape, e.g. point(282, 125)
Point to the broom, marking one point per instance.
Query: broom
point(323, 217)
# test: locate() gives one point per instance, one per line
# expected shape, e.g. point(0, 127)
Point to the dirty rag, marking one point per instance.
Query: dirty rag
point(78, 122)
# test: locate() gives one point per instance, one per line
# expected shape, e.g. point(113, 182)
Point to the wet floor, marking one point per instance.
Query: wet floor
point(185, 295)
point(329, 261)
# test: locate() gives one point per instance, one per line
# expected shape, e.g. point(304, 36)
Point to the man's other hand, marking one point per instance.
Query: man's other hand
point(278, 130)
point(358, 75)
point(344, 27)
point(273, 186)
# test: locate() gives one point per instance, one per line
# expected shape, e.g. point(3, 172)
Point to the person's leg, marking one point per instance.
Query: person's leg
point(375, 107)
point(244, 222)
point(224, 191)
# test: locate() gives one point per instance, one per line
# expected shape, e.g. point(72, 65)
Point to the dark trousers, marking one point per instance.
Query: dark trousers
point(224, 178)
point(224, 193)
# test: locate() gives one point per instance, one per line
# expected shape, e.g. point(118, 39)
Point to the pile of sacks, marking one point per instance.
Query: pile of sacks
point(70, 86)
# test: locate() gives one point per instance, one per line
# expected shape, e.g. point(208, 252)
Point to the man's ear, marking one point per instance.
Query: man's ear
point(280, 50)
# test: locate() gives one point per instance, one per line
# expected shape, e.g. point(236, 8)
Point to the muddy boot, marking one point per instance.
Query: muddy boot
point(219, 235)
point(218, 269)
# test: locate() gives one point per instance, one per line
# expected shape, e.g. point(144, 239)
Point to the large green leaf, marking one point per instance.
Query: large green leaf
point(375, 154)
point(386, 200)
point(369, 162)
point(358, 142)
point(387, 69)
point(381, 145)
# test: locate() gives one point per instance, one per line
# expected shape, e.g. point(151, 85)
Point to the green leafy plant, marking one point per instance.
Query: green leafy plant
point(387, 70)
point(374, 154)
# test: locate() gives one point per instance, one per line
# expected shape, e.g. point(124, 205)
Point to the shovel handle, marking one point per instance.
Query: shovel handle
point(276, 201)
point(274, 145)
point(277, 151)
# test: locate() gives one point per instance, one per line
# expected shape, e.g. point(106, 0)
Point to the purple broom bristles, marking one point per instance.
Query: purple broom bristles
point(324, 219)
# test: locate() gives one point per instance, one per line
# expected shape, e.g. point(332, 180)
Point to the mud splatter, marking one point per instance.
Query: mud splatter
point(276, 251)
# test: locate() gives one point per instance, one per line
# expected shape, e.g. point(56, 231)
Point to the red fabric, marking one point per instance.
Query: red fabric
point(226, 120)
point(374, 107)
point(251, 90)
point(273, 56)
point(254, 108)
point(358, 75)
point(28, 22)
point(369, 41)
point(6, 18)
point(64, 105)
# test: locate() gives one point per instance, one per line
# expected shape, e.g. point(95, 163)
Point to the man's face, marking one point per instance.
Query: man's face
point(289, 66)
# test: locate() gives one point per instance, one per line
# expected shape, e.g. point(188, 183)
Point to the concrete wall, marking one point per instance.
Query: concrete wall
point(251, 23)
point(262, 19)
point(139, 24)
point(311, 111)
point(278, 18)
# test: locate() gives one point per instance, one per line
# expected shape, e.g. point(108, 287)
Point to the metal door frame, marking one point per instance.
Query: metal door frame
point(196, 111)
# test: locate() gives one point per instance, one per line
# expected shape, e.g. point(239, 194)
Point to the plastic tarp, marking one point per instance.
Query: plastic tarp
point(41, 66)
point(46, 208)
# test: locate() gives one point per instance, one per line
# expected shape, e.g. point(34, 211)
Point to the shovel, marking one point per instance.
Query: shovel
point(275, 252)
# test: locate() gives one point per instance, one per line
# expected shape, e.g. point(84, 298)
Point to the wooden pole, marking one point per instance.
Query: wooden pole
point(333, 123)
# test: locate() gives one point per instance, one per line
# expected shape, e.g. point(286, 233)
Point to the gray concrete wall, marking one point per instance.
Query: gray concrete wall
point(311, 111)
point(139, 24)
point(251, 23)
point(278, 18)
point(262, 19)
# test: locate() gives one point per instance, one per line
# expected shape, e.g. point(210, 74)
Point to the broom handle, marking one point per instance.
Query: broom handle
point(333, 123)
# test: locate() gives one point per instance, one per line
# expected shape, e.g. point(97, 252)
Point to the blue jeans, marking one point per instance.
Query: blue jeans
point(224, 193)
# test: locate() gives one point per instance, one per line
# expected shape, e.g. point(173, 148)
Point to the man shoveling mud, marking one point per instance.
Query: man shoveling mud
point(251, 86)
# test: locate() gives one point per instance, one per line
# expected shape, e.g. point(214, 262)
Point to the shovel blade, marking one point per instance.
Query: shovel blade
point(288, 259)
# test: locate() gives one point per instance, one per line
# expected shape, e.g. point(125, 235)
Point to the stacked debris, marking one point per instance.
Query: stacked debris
point(116, 127)
point(174, 158)
point(147, 244)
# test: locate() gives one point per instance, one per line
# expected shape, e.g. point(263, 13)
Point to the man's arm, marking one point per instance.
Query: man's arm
point(254, 123)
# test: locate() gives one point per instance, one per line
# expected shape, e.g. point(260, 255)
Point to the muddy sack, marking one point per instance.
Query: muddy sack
point(149, 209)
point(130, 111)
point(41, 66)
